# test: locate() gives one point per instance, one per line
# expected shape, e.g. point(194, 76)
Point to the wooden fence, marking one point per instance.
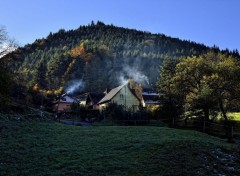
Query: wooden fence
point(221, 129)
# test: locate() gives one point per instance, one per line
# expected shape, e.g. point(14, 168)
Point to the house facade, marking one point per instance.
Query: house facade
point(122, 95)
point(82, 99)
point(63, 104)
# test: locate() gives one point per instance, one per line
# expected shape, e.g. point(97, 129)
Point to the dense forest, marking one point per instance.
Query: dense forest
point(99, 55)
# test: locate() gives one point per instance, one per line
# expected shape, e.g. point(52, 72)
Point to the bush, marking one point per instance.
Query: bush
point(119, 114)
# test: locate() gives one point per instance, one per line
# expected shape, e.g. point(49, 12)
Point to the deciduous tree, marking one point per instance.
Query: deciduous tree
point(188, 82)
point(208, 80)
point(6, 44)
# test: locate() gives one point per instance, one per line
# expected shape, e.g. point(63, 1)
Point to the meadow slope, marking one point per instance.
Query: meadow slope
point(30, 147)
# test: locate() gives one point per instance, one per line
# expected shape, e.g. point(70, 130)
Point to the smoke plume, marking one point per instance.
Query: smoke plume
point(123, 80)
point(75, 85)
point(133, 73)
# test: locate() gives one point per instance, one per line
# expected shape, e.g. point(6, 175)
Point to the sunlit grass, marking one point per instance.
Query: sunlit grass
point(234, 115)
point(231, 115)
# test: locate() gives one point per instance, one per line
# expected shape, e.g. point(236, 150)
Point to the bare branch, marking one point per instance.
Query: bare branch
point(6, 44)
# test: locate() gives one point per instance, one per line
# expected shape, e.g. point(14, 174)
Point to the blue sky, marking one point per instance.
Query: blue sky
point(203, 21)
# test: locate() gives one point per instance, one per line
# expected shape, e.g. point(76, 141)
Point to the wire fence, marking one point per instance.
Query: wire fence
point(221, 129)
point(224, 129)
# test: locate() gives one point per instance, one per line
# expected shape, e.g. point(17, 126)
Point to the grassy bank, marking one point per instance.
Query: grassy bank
point(234, 115)
point(231, 115)
point(47, 148)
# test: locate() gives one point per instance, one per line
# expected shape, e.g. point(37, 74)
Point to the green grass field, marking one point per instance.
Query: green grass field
point(47, 148)
point(234, 115)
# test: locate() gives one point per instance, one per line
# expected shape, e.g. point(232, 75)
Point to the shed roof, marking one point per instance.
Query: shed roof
point(151, 97)
point(111, 94)
point(66, 99)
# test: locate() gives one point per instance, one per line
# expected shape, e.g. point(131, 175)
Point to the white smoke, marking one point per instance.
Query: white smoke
point(133, 73)
point(75, 85)
point(123, 80)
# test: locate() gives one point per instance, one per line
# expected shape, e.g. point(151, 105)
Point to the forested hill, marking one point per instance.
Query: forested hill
point(100, 55)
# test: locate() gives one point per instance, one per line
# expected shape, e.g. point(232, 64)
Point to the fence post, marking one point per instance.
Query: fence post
point(173, 122)
point(204, 125)
point(230, 134)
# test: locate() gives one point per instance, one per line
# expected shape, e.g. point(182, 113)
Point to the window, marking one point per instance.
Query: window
point(121, 96)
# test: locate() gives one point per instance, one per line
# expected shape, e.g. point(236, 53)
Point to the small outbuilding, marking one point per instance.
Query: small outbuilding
point(63, 103)
point(92, 100)
point(151, 99)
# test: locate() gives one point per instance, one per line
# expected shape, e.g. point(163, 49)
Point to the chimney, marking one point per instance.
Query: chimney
point(107, 90)
point(131, 83)
point(136, 88)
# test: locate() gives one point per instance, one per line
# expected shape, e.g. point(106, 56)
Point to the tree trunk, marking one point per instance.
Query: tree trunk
point(228, 127)
point(206, 118)
point(223, 111)
point(206, 114)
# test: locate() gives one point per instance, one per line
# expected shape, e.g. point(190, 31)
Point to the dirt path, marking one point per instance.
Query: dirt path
point(70, 122)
